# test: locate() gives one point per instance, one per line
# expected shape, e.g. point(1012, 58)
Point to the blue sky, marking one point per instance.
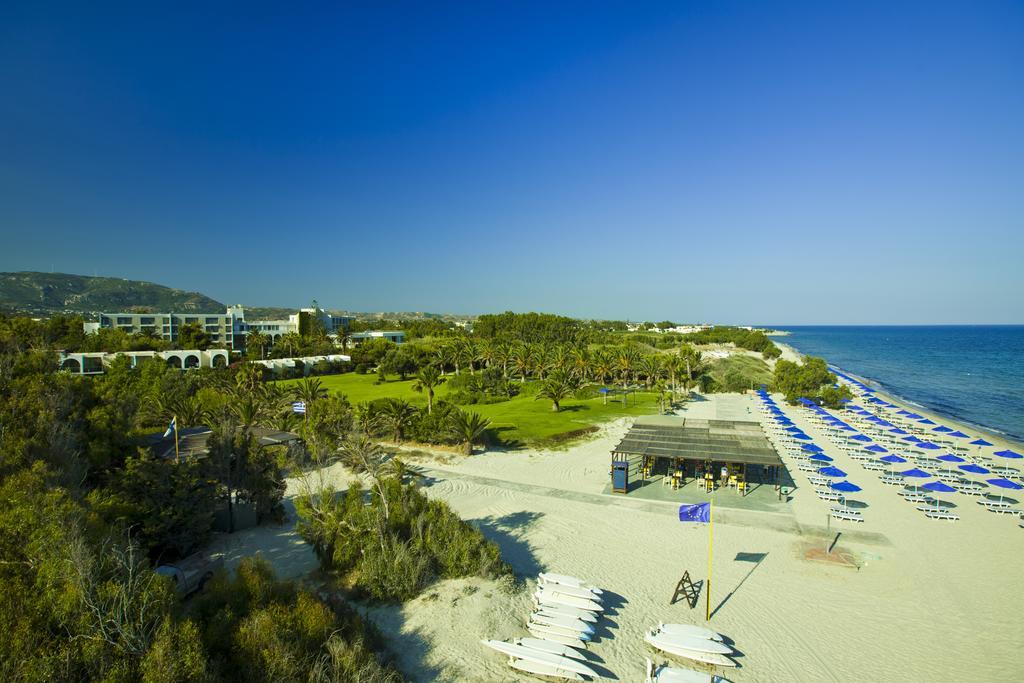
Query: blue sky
point(782, 163)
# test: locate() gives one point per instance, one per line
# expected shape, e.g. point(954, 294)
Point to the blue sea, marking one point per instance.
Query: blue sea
point(972, 373)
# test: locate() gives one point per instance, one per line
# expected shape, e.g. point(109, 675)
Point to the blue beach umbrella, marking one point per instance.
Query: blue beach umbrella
point(811, 448)
point(925, 421)
point(914, 416)
point(794, 430)
point(1008, 454)
point(942, 429)
point(831, 472)
point(912, 439)
point(1005, 484)
point(949, 457)
point(938, 487)
point(875, 448)
point(974, 469)
point(861, 437)
point(843, 487)
point(903, 412)
point(801, 436)
point(959, 435)
point(980, 442)
point(820, 457)
point(898, 431)
point(915, 472)
point(927, 446)
point(892, 459)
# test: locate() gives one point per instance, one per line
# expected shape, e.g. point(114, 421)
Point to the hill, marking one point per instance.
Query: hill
point(50, 293)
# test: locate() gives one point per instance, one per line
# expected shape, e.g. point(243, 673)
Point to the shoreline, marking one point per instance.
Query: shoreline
point(955, 421)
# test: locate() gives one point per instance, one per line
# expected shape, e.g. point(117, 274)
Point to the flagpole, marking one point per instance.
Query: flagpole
point(711, 529)
point(177, 456)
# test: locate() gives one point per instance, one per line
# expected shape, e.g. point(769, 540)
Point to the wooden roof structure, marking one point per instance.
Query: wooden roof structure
point(693, 439)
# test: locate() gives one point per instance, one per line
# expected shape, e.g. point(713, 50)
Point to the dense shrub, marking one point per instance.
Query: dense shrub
point(392, 551)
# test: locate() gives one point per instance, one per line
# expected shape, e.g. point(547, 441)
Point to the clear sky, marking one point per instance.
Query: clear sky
point(820, 162)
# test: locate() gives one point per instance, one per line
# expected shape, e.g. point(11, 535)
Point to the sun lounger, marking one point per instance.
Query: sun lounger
point(847, 514)
point(932, 513)
point(1005, 510)
point(826, 494)
point(993, 504)
point(875, 466)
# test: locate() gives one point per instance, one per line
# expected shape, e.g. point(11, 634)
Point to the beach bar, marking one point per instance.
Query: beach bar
point(711, 453)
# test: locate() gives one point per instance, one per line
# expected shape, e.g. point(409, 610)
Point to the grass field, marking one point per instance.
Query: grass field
point(519, 422)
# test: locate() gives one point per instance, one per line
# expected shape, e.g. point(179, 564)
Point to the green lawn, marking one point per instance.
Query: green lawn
point(521, 421)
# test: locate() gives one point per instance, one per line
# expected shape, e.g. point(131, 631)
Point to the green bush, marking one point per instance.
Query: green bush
point(392, 553)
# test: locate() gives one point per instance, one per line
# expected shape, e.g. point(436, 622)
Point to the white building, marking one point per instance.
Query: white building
point(188, 359)
point(396, 336)
point(226, 329)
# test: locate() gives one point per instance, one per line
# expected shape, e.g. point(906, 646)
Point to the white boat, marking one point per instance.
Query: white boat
point(575, 591)
point(544, 617)
point(548, 646)
point(564, 580)
point(568, 600)
point(543, 669)
point(671, 674)
point(541, 633)
point(557, 628)
point(538, 657)
point(691, 630)
point(555, 608)
point(696, 655)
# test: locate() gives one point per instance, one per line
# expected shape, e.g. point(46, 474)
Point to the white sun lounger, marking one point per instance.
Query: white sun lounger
point(847, 514)
point(932, 513)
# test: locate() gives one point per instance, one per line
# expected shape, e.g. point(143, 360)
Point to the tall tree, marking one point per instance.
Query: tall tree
point(427, 380)
point(556, 388)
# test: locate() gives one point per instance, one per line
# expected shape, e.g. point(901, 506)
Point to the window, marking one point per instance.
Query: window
point(212, 321)
point(147, 321)
point(189, 321)
point(124, 321)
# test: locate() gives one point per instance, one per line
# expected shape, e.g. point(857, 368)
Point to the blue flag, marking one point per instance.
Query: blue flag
point(698, 512)
point(171, 427)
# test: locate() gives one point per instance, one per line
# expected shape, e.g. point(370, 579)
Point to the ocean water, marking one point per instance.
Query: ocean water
point(972, 373)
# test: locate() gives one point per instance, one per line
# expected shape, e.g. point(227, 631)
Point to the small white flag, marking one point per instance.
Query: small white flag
point(171, 427)
point(299, 407)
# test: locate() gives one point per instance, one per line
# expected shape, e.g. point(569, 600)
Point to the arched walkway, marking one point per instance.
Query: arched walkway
point(191, 362)
point(220, 361)
point(174, 362)
point(71, 365)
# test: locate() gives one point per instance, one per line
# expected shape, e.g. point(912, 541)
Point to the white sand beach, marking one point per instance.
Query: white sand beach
point(927, 600)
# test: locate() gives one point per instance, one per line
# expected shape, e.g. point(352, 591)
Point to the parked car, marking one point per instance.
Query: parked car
point(191, 573)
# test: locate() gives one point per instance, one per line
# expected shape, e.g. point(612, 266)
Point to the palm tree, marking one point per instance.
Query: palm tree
point(188, 410)
point(396, 414)
point(521, 361)
point(256, 340)
point(581, 364)
point(363, 456)
point(674, 367)
point(468, 428)
point(343, 336)
point(625, 361)
point(539, 362)
point(650, 366)
point(427, 379)
point(603, 366)
point(445, 355)
point(694, 363)
point(501, 354)
point(659, 387)
point(310, 389)
point(557, 387)
point(466, 350)
point(290, 342)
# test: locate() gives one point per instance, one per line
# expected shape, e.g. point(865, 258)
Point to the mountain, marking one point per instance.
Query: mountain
point(50, 293)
